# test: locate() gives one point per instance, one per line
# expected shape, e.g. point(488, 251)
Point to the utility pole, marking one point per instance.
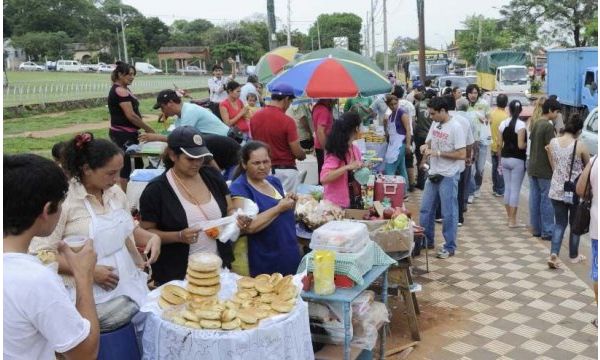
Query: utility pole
point(318, 33)
point(421, 18)
point(373, 54)
point(289, 25)
point(386, 57)
point(118, 43)
point(124, 39)
point(367, 52)
point(271, 23)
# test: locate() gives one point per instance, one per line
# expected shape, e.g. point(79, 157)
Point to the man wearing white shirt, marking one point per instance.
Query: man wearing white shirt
point(216, 87)
point(39, 317)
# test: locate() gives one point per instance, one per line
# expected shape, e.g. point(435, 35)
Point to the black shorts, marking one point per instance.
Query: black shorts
point(123, 140)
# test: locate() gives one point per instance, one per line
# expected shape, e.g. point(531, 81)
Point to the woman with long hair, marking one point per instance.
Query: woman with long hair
point(125, 117)
point(232, 109)
point(341, 160)
point(568, 157)
point(513, 144)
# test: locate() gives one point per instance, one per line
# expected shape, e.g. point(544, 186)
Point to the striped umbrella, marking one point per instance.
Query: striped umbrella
point(271, 63)
point(333, 78)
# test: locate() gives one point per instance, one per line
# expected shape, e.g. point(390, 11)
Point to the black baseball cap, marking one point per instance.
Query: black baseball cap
point(164, 97)
point(189, 141)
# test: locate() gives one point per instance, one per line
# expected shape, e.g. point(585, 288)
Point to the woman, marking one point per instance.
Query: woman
point(341, 160)
point(175, 204)
point(97, 208)
point(513, 146)
point(590, 174)
point(233, 112)
point(272, 243)
point(535, 116)
point(567, 157)
point(397, 129)
point(125, 116)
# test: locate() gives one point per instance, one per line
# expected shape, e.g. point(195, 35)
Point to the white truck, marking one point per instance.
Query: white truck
point(503, 70)
point(146, 68)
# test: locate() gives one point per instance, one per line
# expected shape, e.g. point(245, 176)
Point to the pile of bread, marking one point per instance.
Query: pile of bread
point(256, 299)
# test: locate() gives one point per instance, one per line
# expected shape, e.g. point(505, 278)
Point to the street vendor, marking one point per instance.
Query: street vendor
point(341, 160)
point(272, 243)
point(398, 131)
point(97, 208)
point(189, 192)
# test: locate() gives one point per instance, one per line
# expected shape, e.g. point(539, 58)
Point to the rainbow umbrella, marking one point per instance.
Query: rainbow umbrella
point(271, 63)
point(338, 53)
point(333, 78)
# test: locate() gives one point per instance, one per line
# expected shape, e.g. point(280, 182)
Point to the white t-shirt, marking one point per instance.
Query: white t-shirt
point(466, 125)
point(520, 124)
point(39, 318)
point(445, 138)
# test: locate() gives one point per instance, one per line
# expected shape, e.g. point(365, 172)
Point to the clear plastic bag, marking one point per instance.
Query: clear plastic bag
point(231, 231)
point(365, 328)
point(342, 236)
point(362, 304)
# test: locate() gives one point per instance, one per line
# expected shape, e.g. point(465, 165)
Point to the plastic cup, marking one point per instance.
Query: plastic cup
point(75, 242)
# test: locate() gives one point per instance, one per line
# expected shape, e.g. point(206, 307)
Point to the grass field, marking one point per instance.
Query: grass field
point(22, 144)
point(34, 87)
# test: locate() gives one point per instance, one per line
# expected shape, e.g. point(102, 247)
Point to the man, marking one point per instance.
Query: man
point(423, 123)
point(483, 137)
point(458, 97)
point(39, 317)
point(322, 116)
point(416, 88)
point(300, 112)
point(447, 86)
point(408, 108)
point(251, 87)
point(497, 115)
point(216, 88)
point(445, 147)
point(189, 114)
point(541, 211)
point(272, 126)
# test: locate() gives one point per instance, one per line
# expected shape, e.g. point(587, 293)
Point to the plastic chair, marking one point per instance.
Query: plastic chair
point(120, 344)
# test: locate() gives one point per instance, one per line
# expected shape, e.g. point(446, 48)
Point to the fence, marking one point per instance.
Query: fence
point(41, 92)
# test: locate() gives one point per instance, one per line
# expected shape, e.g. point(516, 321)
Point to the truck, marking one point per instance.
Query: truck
point(572, 75)
point(503, 70)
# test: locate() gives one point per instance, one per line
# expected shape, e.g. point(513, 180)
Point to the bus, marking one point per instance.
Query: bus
point(436, 64)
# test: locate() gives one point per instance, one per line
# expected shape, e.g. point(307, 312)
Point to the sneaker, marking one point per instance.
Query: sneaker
point(477, 193)
point(498, 194)
point(444, 254)
point(553, 262)
point(439, 221)
point(470, 199)
point(547, 237)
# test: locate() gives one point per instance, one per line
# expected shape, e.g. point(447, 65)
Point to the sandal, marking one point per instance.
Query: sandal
point(553, 262)
point(578, 259)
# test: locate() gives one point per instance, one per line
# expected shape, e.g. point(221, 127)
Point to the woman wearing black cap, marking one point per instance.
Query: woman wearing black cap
point(175, 204)
point(125, 116)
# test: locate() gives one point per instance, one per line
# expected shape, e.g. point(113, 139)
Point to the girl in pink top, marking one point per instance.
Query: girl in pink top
point(341, 160)
point(232, 109)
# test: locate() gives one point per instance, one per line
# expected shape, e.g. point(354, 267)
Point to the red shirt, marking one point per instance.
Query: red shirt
point(321, 116)
point(242, 123)
point(272, 126)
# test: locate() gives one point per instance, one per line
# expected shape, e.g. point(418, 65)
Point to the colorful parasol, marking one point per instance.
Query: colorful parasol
point(271, 63)
point(337, 53)
point(333, 78)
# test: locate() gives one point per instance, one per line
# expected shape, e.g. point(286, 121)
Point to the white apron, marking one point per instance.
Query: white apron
point(109, 232)
point(395, 142)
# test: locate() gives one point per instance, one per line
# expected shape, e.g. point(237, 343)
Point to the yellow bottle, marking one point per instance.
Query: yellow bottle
point(324, 261)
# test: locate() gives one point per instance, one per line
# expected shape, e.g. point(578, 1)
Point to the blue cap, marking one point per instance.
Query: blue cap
point(283, 89)
point(416, 84)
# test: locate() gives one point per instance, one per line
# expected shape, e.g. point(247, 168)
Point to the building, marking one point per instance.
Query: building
point(85, 53)
point(183, 56)
point(13, 57)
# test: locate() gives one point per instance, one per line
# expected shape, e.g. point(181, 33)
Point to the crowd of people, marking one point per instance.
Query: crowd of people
point(242, 148)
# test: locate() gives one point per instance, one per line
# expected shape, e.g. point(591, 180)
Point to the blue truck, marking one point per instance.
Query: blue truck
point(572, 75)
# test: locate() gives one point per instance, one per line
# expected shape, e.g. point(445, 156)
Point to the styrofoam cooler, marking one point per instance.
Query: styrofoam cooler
point(392, 187)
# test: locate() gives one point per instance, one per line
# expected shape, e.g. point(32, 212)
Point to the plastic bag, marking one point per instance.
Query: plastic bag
point(365, 328)
point(231, 231)
point(362, 304)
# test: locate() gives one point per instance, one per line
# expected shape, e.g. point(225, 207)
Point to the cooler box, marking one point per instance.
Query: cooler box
point(391, 187)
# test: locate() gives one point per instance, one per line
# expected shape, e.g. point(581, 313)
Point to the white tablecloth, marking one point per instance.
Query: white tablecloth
point(286, 338)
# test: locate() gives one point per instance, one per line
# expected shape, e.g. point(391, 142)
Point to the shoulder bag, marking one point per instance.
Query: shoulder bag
point(569, 186)
point(581, 222)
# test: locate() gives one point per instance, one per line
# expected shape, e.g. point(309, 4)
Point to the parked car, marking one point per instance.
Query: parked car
point(589, 133)
point(68, 65)
point(191, 70)
point(51, 65)
point(146, 68)
point(31, 66)
point(470, 73)
point(91, 67)
point(106, 68)
point(461, 81)
point(528, 106)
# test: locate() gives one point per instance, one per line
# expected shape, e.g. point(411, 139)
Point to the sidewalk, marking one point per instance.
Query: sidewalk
point(496, 298)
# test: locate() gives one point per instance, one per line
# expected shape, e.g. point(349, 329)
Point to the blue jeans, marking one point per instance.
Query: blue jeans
point(497, 179)
point(447, 190)
point(564, 214)
point(541, 212)
point(477, 170)
point(398, 166)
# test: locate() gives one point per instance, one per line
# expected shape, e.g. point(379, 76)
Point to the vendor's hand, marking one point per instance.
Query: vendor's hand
point(189, 235)
point(146, 137)
point(285, 204)
point(105, 277)
point(82, 263)
point(423, 148)
point(152, 248)
point(354, 165)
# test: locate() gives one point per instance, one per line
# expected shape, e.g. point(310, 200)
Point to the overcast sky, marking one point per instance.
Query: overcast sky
point(442, 17)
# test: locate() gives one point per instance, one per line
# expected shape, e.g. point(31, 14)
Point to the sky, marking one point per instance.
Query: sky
point(442, 17)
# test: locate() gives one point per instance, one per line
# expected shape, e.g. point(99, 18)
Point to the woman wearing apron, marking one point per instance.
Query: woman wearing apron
point(97, 208)
point(272, 242)
point(397, 129)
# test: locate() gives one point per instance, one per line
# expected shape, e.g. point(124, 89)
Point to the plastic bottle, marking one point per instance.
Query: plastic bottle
point(324, 261)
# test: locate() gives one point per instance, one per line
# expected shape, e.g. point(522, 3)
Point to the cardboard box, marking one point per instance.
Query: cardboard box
point(394, 240)
point(355, 214)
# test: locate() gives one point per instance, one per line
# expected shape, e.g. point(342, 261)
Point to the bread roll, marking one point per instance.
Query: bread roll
point(287, 280)
point(275, 279)
point(231, 325)
point(204, 262)
point(244, 295)
point(263, 287)
point(210, 324)
point(246, 283)
point(190, 316)
point(203, 275)
point(164, 304)
point(208, 314)
point(263, 277)
point(288, 292)
point(283, 306)
point(251, 292)
point(178, 320)
point(174, 294)
point(203, 282)
point(247, 316)
point(267, 298)
point(231, 305)
point(261, 314)
point(228, 315)
point(203, 290)
point(246, 326)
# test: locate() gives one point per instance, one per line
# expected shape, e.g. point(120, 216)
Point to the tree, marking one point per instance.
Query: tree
point(562, 21)
point(40, 44)
point(481, 34)
point(337, 25)
point(299, 39)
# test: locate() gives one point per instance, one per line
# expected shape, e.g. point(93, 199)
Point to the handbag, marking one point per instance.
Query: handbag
point(569, 186)
point(581, 222)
